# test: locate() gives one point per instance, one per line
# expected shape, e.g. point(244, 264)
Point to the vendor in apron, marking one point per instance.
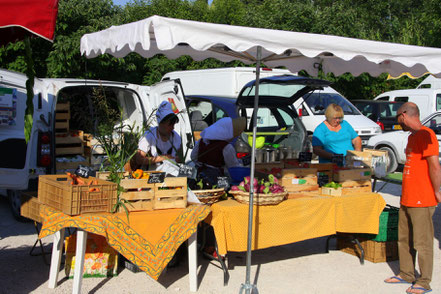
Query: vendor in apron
point(159, 143)
point(215, 141)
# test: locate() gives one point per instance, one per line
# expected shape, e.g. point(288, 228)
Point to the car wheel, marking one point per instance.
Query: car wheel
point(14, 197)
point(392, 163)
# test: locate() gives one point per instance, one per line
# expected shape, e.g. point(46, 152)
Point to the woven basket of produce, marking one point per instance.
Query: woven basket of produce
point(209, 196)
point(259, 198)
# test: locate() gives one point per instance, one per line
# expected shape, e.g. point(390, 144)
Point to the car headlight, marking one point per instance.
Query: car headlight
point(377, 130)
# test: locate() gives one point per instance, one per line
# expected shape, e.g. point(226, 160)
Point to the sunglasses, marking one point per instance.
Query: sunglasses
point(398, 115)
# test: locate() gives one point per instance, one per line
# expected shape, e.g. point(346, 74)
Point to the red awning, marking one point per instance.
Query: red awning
point(21, 18)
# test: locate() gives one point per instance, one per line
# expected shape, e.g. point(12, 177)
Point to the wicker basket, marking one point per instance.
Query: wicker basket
point(259, 198)
point(209, 196)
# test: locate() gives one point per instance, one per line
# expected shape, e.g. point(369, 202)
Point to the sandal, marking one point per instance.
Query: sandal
point(399, 280)
point(419, 288)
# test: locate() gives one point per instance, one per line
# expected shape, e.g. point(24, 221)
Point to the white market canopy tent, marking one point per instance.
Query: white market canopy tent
point(296, 51)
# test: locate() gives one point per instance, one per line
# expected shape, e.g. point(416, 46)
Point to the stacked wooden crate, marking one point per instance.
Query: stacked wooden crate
point(68, 143)
point(62, 117)
point(352, 181)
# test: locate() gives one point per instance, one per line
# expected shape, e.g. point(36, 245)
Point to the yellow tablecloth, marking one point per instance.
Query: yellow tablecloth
point(149, 239)
point(294, 220)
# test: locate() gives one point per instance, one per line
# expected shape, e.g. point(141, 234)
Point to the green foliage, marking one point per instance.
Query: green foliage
point(118, 140)
point(28, 120)
point(404, 21)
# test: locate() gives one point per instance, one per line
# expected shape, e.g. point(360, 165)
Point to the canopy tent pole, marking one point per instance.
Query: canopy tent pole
point(247, 286)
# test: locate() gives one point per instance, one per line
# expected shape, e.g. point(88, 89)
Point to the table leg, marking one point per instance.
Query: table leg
point(193, 262)
point(57, 250)
point(79, 261)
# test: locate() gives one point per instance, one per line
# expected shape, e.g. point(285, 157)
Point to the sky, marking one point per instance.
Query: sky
point(123, 2)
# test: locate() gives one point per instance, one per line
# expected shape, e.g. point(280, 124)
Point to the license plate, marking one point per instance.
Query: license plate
point(364, 142)
point(396, 127)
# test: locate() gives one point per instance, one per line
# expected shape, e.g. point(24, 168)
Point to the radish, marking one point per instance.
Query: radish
point(235, 188)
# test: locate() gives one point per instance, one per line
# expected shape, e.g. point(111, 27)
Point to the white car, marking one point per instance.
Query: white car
point(395, 142)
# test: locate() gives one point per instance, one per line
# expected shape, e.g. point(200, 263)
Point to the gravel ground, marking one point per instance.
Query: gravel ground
point(302, 267)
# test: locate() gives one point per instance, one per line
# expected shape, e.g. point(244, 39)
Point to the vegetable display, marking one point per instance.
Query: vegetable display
point(333, 185)
point(260, 186)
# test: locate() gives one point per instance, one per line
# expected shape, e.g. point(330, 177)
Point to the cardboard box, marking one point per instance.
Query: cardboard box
point(100, 259)
point(374, 159)
point(353, 174)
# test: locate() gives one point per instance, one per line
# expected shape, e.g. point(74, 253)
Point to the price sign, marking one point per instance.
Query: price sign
point(305, 156)
point(187, 171)
point(322, 179)
point(222, 182)
point(246, 160)
point(337, 159)
point(83, 171)
point(155, 178)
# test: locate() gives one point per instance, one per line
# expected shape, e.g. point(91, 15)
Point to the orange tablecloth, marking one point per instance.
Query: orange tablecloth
point(294, 220)
point(149, 239)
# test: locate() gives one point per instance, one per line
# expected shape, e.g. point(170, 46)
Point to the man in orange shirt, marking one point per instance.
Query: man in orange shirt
point(420, 196)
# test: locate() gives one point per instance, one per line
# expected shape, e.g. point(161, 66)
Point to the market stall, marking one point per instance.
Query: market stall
point(294, 220)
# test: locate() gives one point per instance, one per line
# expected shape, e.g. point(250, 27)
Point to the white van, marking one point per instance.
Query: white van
point(21, 163)
point(430, 83)
point(427, 99)
point(311, 108)
point(220, 82)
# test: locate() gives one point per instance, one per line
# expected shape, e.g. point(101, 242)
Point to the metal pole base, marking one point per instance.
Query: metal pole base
point(249, 289)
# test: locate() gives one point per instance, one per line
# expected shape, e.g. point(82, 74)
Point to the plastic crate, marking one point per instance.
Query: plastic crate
point(57, 192)
point(388, 230)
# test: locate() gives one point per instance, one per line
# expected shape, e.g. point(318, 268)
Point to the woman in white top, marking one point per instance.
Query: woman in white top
point(159, 143)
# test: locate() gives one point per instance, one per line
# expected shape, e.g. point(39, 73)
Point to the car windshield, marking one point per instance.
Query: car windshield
point(385, 110)
point(280, 126)
point(318, 102)
point(277, 90)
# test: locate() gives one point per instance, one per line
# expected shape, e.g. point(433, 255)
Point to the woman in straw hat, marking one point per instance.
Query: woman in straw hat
point(162, 142)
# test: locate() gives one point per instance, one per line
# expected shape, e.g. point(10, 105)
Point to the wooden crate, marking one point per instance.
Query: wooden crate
point(138, 205)
point(299, 179)
point(349, 188)
point(328, 191)
point(373, 251)
point(72, 164)
point(62, 117)
point(356, 187)
point(303, 194)
point(354, 174)
point(30, 206)
point(268, 166)
point(171, 194)
point(69, 144)
point(57, 192)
